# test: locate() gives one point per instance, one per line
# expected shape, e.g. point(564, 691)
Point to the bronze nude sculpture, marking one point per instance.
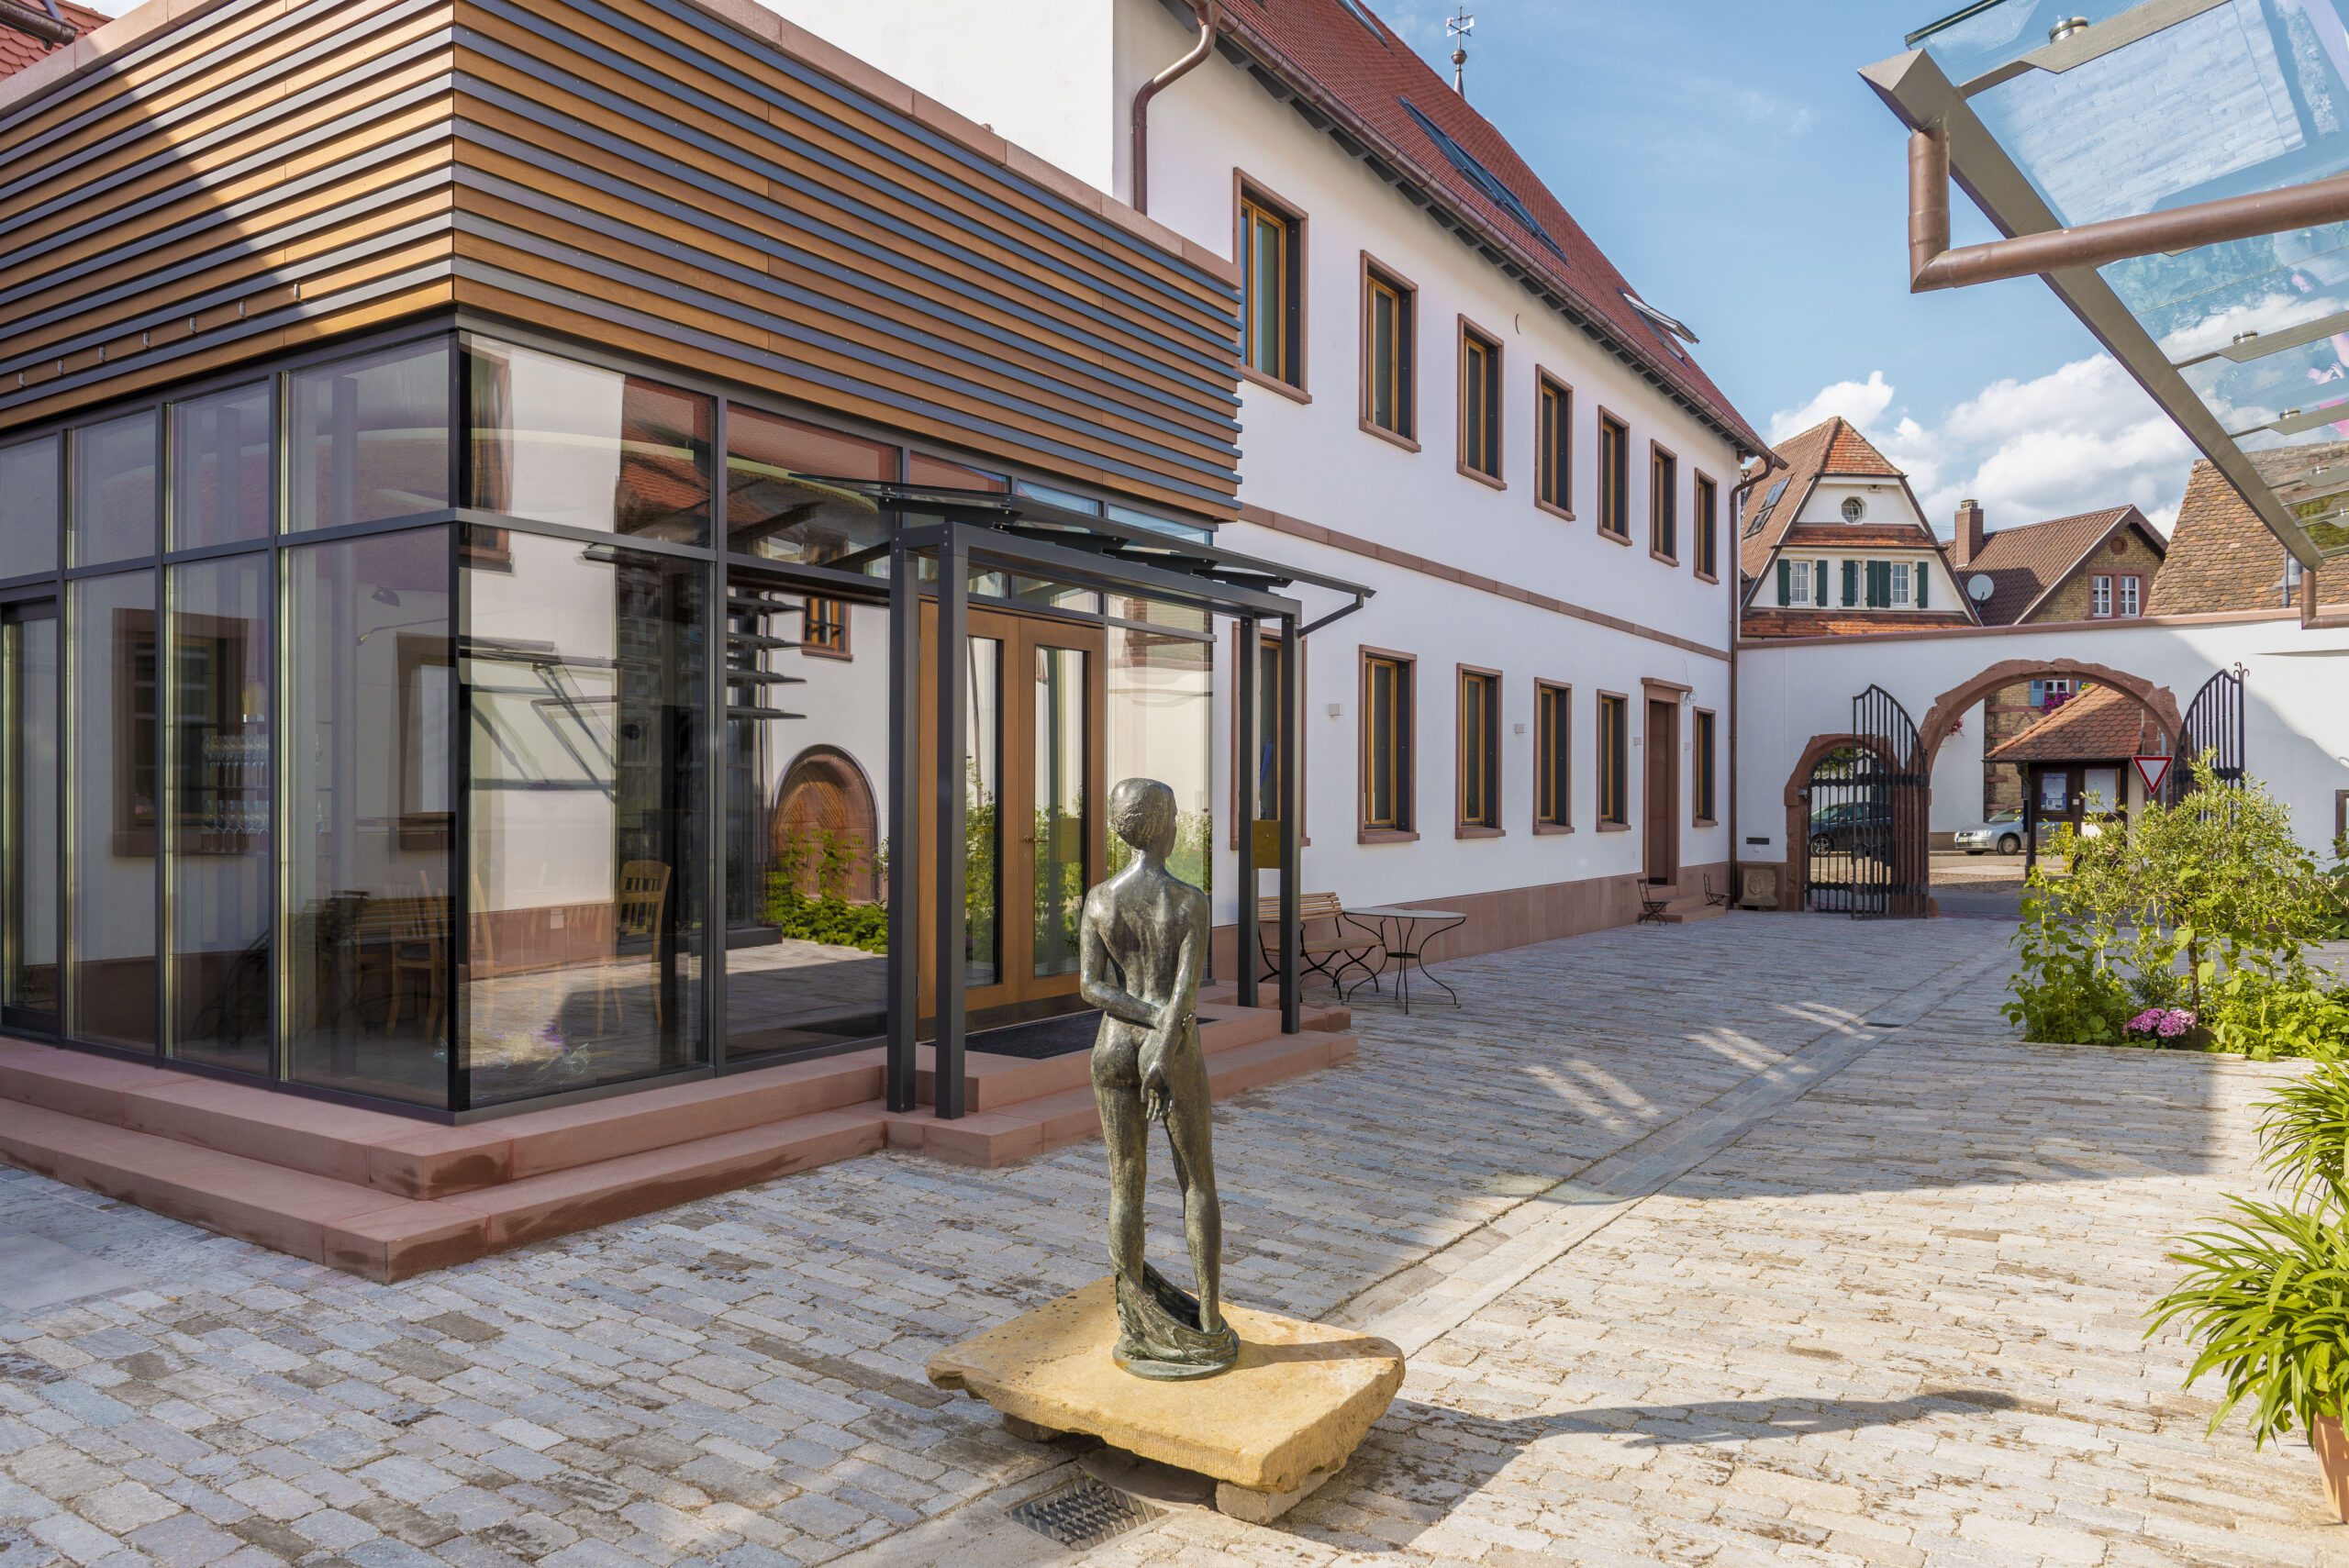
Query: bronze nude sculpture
point(1144, 948)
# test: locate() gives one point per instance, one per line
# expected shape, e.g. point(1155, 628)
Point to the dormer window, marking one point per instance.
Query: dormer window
point(1855, 508)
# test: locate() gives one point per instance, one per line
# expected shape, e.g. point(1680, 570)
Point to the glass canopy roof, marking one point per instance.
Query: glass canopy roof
point(2111, 109)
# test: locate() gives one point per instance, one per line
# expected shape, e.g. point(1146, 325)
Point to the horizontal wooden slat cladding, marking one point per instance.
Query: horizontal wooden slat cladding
point(639, 172)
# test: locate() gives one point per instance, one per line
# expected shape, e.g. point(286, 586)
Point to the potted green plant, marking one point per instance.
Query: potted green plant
point(2267, 1289)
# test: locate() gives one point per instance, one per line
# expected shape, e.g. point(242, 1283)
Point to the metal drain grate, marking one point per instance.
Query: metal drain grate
point(1084, 1514)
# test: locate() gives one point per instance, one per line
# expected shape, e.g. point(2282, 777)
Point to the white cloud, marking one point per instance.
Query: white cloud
point(2081, 436)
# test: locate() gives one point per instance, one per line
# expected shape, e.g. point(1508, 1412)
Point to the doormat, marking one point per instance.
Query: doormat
point(1044, 1039)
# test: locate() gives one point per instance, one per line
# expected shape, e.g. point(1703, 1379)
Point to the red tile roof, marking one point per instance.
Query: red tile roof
point(1369, 80)
point(18, 49)
point(2222, 557)
point(2103, 724)
point(1850, 453)
point(2030, 561)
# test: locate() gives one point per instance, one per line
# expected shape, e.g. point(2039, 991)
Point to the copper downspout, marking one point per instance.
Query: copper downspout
point(1210, 15)
point(1771, 463)
point(1934, 266)
point(51, 28)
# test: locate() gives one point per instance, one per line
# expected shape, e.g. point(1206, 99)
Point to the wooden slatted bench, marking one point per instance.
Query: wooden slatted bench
point(1339, 943)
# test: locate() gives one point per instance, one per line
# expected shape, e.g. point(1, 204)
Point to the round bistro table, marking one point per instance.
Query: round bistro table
point(1405, 933)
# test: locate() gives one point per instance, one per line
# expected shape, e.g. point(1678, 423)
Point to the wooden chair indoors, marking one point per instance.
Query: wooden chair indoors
point(419, 929)
point(642, 899)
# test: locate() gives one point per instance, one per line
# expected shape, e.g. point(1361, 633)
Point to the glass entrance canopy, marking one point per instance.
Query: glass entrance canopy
point(2063, 112)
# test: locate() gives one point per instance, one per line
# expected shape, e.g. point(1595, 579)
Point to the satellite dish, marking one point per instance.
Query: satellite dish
point(1979, 587)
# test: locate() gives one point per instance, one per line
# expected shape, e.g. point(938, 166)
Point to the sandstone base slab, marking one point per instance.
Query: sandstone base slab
point(1282, 1419)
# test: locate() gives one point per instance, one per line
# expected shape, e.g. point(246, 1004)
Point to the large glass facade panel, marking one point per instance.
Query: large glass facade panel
point(114, 491)
point(982, 808)
point(583, 673)
point(30, 816)
point(32, 490)
point(1159, 725)
point(221, 450)
point(807, 867)
point(368, 697)
point(217, 720)
point(558, 442)
point(113, 787)
point(1061, 692)
point(367, 438)
point(777, 504)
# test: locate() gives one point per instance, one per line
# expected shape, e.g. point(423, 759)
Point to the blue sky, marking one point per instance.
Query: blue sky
point(1727, 157)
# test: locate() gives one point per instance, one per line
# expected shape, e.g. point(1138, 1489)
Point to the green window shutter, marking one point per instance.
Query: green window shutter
point(1786, 581)
point(1880, 584)
point(1819, 583)
point(1850, 584)
point(1924, 573)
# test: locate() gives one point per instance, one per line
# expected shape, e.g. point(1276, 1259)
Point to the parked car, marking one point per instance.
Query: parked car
point(2001, 831)
point(1851, 826)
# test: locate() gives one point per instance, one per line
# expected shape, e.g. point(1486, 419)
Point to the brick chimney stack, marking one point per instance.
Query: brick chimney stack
point(1968, 544)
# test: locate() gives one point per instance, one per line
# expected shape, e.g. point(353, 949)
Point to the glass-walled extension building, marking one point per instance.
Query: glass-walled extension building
point(471, 580)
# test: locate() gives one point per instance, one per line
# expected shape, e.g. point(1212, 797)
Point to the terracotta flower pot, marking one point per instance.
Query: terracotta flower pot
point(2332, 1456)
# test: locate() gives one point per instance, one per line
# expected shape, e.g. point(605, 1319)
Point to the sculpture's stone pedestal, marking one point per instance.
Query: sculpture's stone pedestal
point(1271, 1429)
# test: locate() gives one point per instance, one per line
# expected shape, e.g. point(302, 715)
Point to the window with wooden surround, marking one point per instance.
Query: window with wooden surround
point(1614, 761)
point(1554, 461)
point(1480, 403)
point(1614, 476)
point(1553, 728)
point(824, 628)
point(1709, 527)
point(1480, 749)
point(1664, 503)
point(1701, 762)
point(1388, 308)
point(1386, 743)
point(1260, 733)
point(1272, 280)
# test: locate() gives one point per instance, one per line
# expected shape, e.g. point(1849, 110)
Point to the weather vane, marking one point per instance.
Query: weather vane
point(1457, 27)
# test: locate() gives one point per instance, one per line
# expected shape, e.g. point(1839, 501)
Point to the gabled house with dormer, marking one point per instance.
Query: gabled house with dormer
point(1837, 546)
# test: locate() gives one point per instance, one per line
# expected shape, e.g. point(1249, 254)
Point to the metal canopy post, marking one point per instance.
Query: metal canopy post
point(904, 818)
point(1292, 828)
point(1243, 799)
point(952, 851)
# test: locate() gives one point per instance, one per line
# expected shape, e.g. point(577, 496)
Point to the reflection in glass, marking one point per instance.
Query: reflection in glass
point(220, 464)
point(369, 779)
point(367, 438)
point(31, 491)
point(808, 754)
point(114, 793)
point(218, 726)
point(115, 495)
point(1060, 804)
point(982, 800)
point(564, 442)
point(581, 668)
point(1159, 725)
point(32, 822)
point(772, 511)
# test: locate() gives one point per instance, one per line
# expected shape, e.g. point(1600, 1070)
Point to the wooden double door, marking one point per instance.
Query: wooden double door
point(1035, 793)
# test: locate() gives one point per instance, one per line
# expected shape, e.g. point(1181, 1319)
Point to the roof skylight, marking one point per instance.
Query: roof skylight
point(1483, 178)
point(1361, 14)
point(1762, 513)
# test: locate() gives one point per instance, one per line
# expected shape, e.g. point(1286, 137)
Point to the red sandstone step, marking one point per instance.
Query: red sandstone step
point(994, 1083)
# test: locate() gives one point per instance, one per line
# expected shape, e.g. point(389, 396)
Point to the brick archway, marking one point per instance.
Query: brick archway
point(1794, 893)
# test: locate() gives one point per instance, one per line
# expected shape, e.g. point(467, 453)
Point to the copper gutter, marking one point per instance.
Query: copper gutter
point(1934, 266)
point(51, 28)
point(1210, 15)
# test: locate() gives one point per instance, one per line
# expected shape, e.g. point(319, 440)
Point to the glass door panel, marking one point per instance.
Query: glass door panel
point(1062, 806)
point(31, 828)
point(982, 806)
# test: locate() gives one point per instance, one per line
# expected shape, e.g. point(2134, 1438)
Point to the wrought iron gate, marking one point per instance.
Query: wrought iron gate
point(2213, 726)
point(1867, 854)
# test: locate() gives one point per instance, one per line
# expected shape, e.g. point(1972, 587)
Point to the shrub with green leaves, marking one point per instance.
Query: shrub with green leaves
point(2204, 905)
point(2266, 1287)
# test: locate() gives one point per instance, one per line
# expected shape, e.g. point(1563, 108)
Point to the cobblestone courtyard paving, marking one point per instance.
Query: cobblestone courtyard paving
point(1755, 1240)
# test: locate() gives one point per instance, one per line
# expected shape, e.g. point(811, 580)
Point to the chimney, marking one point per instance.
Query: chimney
point(1967, 542)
